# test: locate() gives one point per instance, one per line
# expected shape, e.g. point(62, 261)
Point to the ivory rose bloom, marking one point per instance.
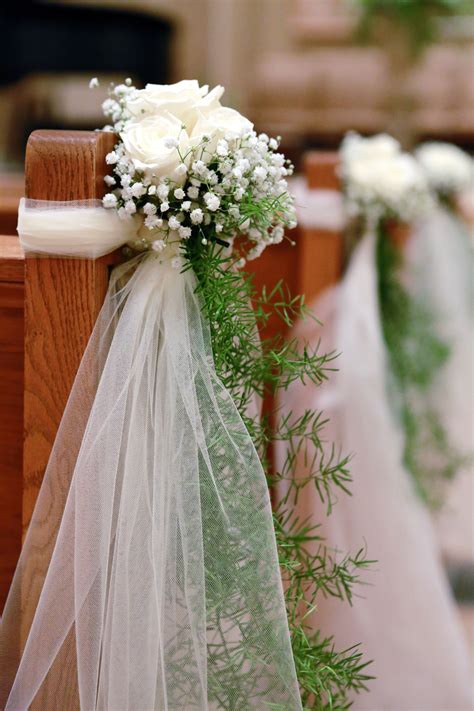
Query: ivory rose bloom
point(183, 100)
point(151, 144)
point(219, 123)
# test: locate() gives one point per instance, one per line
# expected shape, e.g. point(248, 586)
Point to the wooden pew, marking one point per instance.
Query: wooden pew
point(12, 188)
point(62, 298)
point(12, 273)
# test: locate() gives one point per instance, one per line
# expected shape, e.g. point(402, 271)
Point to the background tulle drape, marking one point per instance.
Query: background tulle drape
point(149, 577)
point(404, 616)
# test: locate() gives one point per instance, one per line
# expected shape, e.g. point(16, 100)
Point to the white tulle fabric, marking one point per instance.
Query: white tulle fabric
point(440, 269)
point(404, 617)
point(149, 577)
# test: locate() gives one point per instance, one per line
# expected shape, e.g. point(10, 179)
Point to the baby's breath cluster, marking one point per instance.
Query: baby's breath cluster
point(187, 168)
point(381, 181)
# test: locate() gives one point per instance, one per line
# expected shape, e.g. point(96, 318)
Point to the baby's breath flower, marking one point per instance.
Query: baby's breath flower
point(163, 191)
point(138, 189)
point(186, 205)
point(158, 245)
point(130, 207)
point(212, 201)
point(109, 180)
point(149, 208)
point(174, 223)
point(165, 206)
point(184, 232)
point(197, 216)
point(111, 158)
point(153, 222)
point(109, 200)
point(179, 193)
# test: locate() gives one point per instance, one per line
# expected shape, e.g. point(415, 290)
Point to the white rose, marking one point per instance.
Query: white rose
point(219, 123)
point(356, 148)
point(447, 168)
point(183, 100)
point(148, 146)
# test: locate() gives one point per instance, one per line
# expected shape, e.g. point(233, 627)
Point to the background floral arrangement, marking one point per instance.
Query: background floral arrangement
point(447, 168)
point(381, 181)
point(208, 193)
point(383, 185)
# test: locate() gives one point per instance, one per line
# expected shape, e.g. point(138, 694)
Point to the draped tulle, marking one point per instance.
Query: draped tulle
point(149, 577)
point(404, 616)
point(440, 265)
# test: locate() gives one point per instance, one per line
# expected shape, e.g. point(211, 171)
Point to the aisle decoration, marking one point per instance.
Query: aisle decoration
point(162, 584)
point(405, 617)
point(440, 258)
point(385, 187)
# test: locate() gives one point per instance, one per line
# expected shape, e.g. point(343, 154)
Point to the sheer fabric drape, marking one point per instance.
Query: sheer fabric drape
point(404, 617)
point(149, 577)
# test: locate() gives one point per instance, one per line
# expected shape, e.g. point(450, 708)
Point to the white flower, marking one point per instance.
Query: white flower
point(123, 214)
point(145, 143)
point(186, 205)
point(182, 100)
point(109, 200)
point(383, 181)
point(222, 148)
point(164, 206)
point(153, 222)
point(163, 191)
point(197, 216)
point(179, 193)
point(94, 83)
point(109, 180)
point(152, 190)
point(212, 201)
point(220, 123)
point(381, 146)
point(184, 232)
point(260, 173)
point(111, 158)
point(174, 223)
point(138, 189)
point(278, 234)
point(171, 143)
point(149, 209)
point(219, 227)
point(130, 207)
point(447, 168)
point(193, 193)
point(158, 245)
point(181, 169)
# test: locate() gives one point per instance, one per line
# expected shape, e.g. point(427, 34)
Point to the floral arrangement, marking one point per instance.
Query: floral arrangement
point(382, 184)
point(447, 168)
point(193, 169)
point(209, 193)
point(380, 180)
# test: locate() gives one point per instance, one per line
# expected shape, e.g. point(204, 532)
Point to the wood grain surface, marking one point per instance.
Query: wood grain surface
point(62, 296)
point(12, 268)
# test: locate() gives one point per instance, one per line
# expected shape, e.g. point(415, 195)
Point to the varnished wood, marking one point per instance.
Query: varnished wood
point(11, 406)
point(62, 296)
point(12, 188)
point(321, 169)
point(12, 259)
point(320, 257)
